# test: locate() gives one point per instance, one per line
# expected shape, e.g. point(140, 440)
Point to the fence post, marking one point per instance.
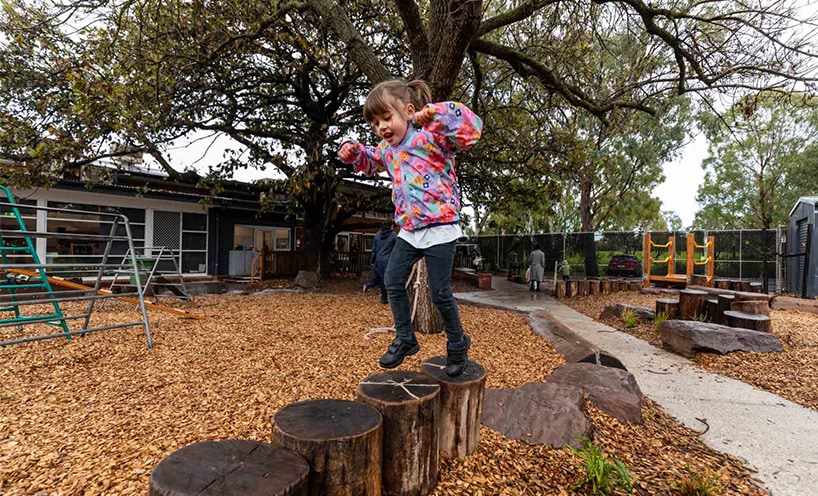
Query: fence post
point(740, 242)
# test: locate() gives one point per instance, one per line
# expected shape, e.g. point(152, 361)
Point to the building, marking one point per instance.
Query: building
point(209, 235)
point(801, 249)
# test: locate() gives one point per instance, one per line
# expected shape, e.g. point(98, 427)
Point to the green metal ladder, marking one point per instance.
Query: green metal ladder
point(11, 283)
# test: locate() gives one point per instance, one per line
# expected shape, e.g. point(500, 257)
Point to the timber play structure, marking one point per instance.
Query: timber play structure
point(671, 279)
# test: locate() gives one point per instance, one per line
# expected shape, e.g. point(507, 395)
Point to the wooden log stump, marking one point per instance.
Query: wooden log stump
point(340, 439)
point(711, 309)
point(559, 290)
point(410, 405)
point(748, 321)
point(623, 285)
point(698, 280)
point(735, 285)
point(634, 286)
point(582, 287)
point(691, 303)
point(236, 466)
point(593, 286)
point(604, 286)
point(757, 307)
point(756, 287)
point(725, 302)
point(745, 286)
point(571, 288)
point(461, 405)
point(723, 283)
point(668, 306)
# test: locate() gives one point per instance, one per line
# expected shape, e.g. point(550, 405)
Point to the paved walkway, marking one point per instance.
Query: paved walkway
point(776, 437)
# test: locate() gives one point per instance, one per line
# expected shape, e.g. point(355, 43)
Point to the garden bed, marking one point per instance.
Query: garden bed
point(791, 374)
point(95, 415)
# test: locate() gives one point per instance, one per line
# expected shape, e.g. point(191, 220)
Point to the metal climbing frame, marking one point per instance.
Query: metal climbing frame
point(30, 284)
point(153, 276)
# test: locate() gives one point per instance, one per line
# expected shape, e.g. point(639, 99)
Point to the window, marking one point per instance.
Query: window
point(368, 240)
point(258, 237)
point(194, 243)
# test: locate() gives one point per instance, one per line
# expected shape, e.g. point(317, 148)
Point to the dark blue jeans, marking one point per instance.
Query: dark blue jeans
point(439, 262)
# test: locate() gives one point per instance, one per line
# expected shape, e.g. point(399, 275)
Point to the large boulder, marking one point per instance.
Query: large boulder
point(537, 413)
point(790, 303)
point(613, 390)
point(616, 310)
point(687, 338)
point(307, 279)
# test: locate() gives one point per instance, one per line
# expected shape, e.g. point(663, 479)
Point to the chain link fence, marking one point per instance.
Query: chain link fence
point(739, 254)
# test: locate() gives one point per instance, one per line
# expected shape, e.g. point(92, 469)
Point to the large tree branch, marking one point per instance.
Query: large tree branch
point(461, 23)
point(519, 13)
point(418, 39)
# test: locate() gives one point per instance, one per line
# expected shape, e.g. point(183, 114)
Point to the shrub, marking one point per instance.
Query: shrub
point(602, 474)
point(700, 484)
point(630, 318)
point(660, 317)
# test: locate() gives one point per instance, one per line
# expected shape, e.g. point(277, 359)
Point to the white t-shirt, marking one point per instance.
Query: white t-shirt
point(431, 236)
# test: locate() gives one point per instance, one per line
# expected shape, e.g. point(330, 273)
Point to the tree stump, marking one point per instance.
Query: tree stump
point(582, 287)
point(725, 304)
point(605, 286)
point(748, 321)
point(461, 405)
point(735, 285)
point(410, 405)
point(559, 290)
point(757, 307)
point(698, 280)
point(634, 285)
point(711, 309)
point(756, 287)
point(593, 286)
point(691, 303)
point(723, 283)
point(237, 466)
point(668, 306)
point(340, 439)
point(623, 285)
point(571, 288)
point(745, 286)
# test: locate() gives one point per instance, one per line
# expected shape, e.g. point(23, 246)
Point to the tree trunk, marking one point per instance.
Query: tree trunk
point(410, 405)
point(340, 439)
point(426, 318)
point(461, 405)
point(587, 228)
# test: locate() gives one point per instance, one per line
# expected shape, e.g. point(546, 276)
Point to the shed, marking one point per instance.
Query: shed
point(802, 249)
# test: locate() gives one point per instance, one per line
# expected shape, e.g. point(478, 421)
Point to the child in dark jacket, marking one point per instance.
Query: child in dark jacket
point(381, 251)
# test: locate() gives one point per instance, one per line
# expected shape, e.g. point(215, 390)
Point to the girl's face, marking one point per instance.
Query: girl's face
point(391, 126)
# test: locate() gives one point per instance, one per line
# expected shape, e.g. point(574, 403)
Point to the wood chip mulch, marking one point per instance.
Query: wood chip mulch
point(791, 374)
point(94, 415)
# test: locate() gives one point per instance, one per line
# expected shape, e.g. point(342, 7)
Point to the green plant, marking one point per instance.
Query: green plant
point(700, 317)
point(660, 317)
point(602, 474)
point(700, 484)
point(630, 318)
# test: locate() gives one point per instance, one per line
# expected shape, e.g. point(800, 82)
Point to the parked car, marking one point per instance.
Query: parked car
point(625, 265)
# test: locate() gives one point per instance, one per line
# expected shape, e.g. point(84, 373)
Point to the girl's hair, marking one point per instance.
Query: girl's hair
point(383, 96)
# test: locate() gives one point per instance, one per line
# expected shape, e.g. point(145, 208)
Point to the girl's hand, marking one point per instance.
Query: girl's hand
point(347, 152)
point(421, 117)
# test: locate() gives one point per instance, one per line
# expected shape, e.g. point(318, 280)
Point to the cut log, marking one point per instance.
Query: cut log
point(410, 405)
point(571, 288)
point(723, 283)
point(725, 304)
point(604, 286)
point(735, 285)
point(711, 309)
point(667, 306)
point(461, 405)
point(745, 286)
point(582, 287)
point(757, 307)
point(559, 290)
point(698, 280)
point(634, 285)
point(593, 286)
point(623, 285)
point(748, 321)
point(340, 439)
point(691, 303)
point(756, 287)
point(239, 466)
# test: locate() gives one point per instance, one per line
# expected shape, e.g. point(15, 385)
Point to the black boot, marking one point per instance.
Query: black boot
point(384, 298)
point(456, 359)
point(397, 352)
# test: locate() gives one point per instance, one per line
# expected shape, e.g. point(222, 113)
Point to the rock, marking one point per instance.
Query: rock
point(277, 290)
point(307, 279)
point(537, 413)
point(615, 311)
point(604, 359)
point(613, 390)
point(238, 292)
point(790, 303)
point(690, 337)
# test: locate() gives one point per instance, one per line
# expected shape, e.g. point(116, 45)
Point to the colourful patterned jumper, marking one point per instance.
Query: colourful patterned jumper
point(424, 182)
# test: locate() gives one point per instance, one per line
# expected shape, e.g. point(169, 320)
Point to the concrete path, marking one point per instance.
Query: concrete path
point(776, 437)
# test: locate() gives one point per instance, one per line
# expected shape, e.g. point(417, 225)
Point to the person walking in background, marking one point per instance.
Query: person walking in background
point(381, 251)
point(536, 268)
point(565, 270)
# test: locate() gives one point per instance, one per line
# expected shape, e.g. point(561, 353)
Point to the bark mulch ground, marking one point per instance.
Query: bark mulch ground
point(791, 374)
point(96, 414)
